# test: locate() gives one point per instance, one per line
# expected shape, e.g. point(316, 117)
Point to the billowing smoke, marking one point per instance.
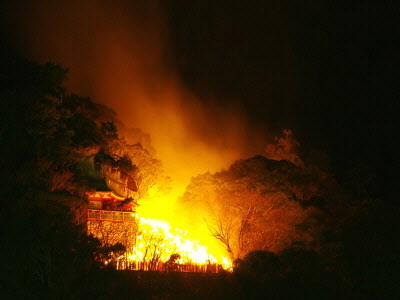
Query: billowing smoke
point(117, 55)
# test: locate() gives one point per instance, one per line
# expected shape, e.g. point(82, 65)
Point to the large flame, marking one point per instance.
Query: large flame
point(155, 245)
point(118, 54)
point(164, 207)
point(158, 237)
point(157, 240)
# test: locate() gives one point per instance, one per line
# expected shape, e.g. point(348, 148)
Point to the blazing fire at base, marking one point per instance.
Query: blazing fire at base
point(149, 245)
point(152, 245)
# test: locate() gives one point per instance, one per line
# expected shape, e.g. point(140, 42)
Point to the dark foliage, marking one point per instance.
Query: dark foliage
point(45, 248)
point(46, 253)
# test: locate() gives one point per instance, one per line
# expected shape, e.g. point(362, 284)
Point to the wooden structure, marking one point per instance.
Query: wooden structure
point(108, 206)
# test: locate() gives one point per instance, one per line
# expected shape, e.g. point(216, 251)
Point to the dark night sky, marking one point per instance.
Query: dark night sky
point(327, 71)
point(315, 67)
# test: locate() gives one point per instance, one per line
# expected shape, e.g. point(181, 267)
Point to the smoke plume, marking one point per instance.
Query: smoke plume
point(117, 53)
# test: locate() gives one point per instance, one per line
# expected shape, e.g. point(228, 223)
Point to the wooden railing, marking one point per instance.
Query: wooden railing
point(111, 215)
point(160, 266)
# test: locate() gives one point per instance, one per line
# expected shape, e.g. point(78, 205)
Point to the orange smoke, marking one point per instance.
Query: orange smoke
point(117, 55)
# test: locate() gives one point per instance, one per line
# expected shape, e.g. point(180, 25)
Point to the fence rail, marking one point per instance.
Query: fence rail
point(163, 267)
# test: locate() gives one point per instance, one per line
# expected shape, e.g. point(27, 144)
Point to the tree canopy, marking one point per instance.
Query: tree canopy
point(47, 138)
point(259, 203)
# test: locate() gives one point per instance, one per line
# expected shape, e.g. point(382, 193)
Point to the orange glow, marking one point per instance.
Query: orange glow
point(158, 238)
point(151, 244)
point(161, 230)
point(171, 215)
point(118, 58)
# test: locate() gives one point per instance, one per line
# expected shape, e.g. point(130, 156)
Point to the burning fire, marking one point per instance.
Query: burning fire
point(156, 239)
point(158, 246)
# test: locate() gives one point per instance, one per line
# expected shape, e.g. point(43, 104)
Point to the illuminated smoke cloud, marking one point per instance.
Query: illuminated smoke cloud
point(117, 55)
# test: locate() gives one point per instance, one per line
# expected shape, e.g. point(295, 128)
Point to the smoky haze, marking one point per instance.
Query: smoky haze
point(117, 54)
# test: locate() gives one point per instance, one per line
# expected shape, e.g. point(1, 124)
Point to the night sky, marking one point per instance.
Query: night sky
point(328, 71)
point(325, 70)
